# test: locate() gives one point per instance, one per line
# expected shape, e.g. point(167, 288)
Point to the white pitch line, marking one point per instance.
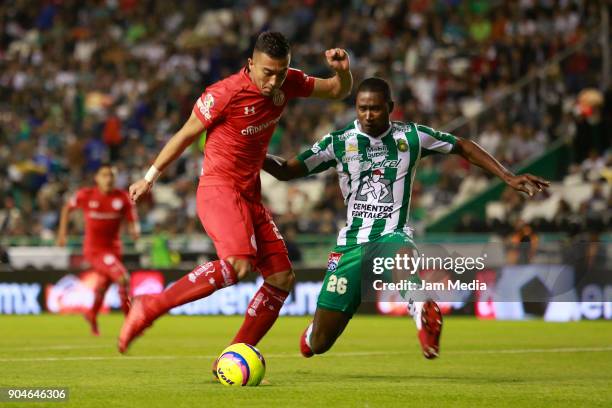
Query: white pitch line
point(291, 355)
point(63, 347)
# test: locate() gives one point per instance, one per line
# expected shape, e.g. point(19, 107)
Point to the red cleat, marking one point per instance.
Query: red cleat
point(431, 327)
point(304, 348)
point(93, 322)
point(142, 313)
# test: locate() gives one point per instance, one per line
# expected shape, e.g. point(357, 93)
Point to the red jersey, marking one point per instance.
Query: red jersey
point(240, 122)
point(103, 215)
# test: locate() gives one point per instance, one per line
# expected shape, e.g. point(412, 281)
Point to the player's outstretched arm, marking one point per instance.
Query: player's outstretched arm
point(170, 152)
point(475, 154)
point(60, 240)
point(284, 170)
point(340, 85)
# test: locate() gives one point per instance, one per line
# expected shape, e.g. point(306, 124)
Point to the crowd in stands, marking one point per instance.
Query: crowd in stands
point(84, 82)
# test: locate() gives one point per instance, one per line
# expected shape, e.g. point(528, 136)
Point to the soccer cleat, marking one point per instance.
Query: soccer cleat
point(141, 316)
point(304, 347)
point(93, 322)
point(431, 327)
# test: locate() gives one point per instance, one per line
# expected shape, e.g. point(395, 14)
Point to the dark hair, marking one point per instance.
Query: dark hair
point(273, 44)
point(377, 85)
point(105, 165)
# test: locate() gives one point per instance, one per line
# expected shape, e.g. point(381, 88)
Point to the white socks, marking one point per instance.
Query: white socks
point(307, 336)
point(415, 309)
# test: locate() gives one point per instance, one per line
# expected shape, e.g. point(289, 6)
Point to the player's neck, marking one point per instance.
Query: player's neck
point(378, 135)
point(105, 192)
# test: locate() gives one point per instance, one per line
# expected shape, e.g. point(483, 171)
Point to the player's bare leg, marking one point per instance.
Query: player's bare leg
point(199, 283)
point(323, 332)
point(100, 288)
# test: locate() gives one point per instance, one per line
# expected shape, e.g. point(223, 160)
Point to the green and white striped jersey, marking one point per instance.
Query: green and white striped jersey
point(375, 174)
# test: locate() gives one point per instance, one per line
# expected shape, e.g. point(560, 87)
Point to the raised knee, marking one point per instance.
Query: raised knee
point(283, 280)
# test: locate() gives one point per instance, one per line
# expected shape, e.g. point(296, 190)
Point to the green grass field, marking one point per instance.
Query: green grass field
point(377, 363)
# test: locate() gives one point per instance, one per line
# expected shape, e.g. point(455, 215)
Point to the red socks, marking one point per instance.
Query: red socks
point(197, 284)
point(261, 314)
point(123, 295)
point(99, 291)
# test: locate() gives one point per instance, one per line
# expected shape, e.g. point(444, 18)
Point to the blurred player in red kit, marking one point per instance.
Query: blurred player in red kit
point(239, 114)
point(104, 208)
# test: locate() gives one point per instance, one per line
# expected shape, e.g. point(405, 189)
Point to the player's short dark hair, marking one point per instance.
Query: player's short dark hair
point(105, 165)
point(377, 85)
point(273, 44)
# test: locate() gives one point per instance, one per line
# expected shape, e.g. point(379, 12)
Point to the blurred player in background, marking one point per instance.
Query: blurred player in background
point(376, 160)
point(239, 115)
point(104, 208)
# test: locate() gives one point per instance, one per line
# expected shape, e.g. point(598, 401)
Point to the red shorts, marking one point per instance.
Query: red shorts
point(107, 263)
point(242, 228)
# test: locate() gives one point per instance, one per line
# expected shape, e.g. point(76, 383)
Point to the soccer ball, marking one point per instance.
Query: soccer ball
point(241, 364)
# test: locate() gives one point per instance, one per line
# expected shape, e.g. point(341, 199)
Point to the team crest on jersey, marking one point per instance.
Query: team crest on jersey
point(333, 261)
point(117, 204)
point(206, 105)
point(94, 204)
point(402, 146)
point(278, 97)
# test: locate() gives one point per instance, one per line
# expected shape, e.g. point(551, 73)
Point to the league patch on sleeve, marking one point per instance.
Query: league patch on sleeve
point(205, 105)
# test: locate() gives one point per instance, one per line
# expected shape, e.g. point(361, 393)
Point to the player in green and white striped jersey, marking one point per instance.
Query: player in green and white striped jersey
point(375, 174)
point(376, 161)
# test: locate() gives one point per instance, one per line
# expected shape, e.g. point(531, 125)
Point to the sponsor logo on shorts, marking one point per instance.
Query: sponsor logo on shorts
point(333, 260)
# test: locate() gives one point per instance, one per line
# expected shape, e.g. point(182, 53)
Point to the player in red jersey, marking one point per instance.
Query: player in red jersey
point(239, 114)
point(104, 208)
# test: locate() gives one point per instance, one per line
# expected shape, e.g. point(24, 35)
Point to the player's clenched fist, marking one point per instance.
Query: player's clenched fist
point(337, 59)
point(139, 188)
